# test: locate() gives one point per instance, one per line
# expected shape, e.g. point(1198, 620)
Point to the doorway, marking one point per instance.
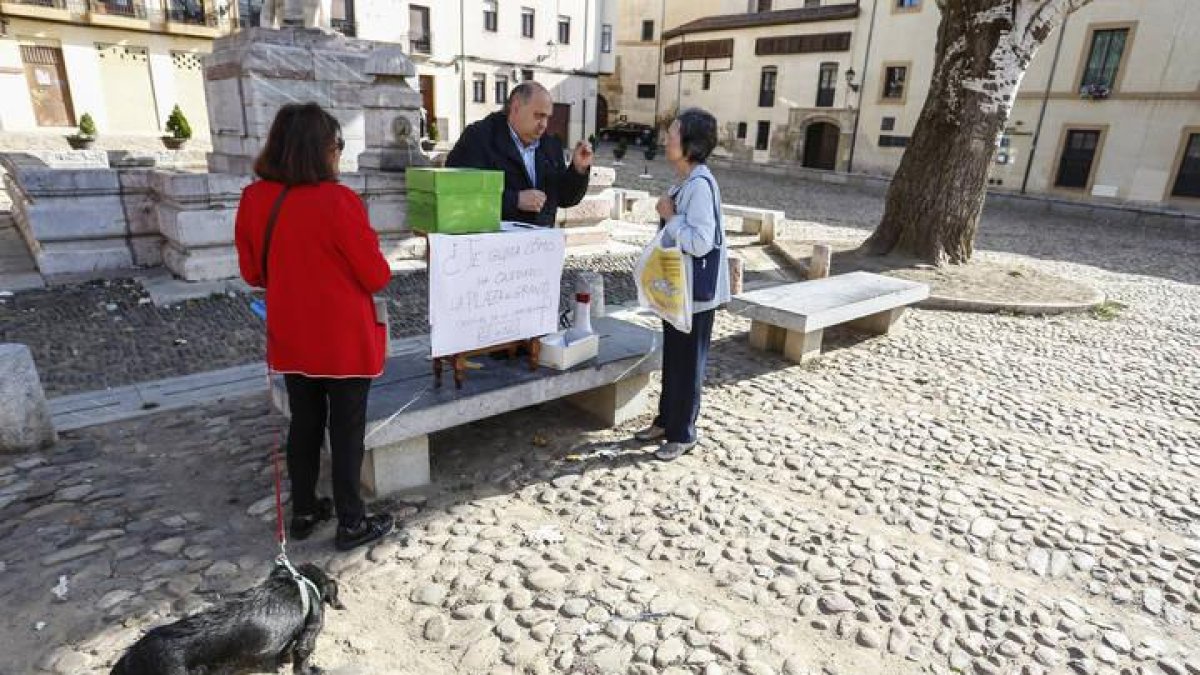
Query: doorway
point(425, 82)
point(560, 123)
point(821, 146)
point(48, 88)
point(601, 113)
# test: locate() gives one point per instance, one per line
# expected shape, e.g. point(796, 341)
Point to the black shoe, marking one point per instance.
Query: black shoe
point(369, 529)
point(302, 526)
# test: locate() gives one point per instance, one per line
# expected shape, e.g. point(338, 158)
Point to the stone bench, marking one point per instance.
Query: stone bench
point(763, 222)
point(791, 318)
point(405, 406)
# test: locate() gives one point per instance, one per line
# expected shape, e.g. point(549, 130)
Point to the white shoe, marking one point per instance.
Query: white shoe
point(650, 433)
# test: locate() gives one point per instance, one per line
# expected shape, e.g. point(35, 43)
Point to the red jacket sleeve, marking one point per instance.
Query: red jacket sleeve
point(358, 243)
point(248, 250)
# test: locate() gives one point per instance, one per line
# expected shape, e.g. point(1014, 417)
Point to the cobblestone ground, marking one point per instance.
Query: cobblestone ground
point(977, 493)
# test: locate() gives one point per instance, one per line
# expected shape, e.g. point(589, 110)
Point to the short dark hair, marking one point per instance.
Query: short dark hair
point(298, 146)
point(525, 92)
point(697, 134)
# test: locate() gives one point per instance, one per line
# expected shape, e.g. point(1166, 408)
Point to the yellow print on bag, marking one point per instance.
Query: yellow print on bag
point(664, 282)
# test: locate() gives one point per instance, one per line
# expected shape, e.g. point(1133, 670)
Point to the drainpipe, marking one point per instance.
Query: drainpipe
point(658, 83)
point(462, 68)
point(1037, 132)
point(866, 64)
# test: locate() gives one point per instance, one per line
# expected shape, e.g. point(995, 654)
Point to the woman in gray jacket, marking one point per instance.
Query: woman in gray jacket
point(691, 213)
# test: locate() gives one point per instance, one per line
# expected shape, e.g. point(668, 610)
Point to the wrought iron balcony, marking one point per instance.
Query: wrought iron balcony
point(135, 10)
point(419, 43)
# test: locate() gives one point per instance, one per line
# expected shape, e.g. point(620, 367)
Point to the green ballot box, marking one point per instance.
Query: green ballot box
point(454, 201)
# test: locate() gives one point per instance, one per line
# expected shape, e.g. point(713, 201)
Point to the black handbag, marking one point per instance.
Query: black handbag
point(706, 268)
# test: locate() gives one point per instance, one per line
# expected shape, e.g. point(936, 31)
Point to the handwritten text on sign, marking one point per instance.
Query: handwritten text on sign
point(487, 289)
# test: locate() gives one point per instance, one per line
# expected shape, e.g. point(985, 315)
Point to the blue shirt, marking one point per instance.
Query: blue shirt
point(528, 155)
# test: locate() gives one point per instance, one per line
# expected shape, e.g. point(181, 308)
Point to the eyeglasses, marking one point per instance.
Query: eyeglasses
point(341, 144)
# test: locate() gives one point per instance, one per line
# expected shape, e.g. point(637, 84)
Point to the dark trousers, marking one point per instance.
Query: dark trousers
point(343, 403)
point(684, 357)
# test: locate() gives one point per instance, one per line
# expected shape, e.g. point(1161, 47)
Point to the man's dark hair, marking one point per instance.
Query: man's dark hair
point(697, 134)
point(524, 92)
point(300, 145)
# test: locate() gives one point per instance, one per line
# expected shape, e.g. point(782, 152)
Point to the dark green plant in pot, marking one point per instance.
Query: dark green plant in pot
point(651, 151)
point(619, 150)
point(178, 125)
point(87, 126)
point(83, 139)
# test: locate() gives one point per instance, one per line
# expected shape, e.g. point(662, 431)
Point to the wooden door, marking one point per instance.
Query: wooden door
point(560, 123)
point(425, 82)
point(601, 113)
point(820, 146)
point(48, 88)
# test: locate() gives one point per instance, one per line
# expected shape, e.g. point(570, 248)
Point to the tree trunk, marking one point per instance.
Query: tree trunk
point(936, 197)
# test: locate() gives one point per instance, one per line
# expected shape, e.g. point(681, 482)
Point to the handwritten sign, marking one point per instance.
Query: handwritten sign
point(487, 289)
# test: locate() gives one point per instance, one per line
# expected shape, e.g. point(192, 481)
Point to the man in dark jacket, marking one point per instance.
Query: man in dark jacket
point(536, 179)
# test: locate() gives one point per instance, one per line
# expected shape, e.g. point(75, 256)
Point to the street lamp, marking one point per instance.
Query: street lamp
point(850, 75)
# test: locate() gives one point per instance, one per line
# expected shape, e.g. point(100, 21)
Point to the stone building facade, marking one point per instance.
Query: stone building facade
point(1108, 112)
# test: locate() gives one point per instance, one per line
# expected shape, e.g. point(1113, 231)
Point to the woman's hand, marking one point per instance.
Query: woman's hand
point(666, 207)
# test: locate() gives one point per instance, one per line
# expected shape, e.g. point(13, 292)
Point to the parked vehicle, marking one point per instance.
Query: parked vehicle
point(630, 132)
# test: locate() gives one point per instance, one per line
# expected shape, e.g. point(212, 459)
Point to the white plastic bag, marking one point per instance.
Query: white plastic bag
point(664, 283)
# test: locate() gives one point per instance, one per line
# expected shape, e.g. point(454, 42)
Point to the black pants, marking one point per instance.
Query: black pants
point(685, 356)
point(343, 402)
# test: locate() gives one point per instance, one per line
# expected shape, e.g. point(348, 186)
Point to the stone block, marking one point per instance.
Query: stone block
point(388, 216)
point(402, 248)
point(197, 229)
point(82, 257)
point(602, 177)
point(808, 306)
point(25, 422)
point(264, 92)
point(389, 60)
point(68, 182)
point(224, 107)
point(591, 210)
point(206, 264)
point(801, 347)
point(389, 96)
point(147, 250)
point(615, 403)
point(591, 235)
point(399, 466)
point(337, 66)
point(80, 218)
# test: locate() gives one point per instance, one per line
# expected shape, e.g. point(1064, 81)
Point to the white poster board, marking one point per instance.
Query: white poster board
point(487, 289)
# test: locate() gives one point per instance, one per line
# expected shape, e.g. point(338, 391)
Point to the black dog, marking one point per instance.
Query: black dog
point(259, 629)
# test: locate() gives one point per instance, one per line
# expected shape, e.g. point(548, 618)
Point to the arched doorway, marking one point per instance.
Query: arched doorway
point(601, 112)
point(821, 146)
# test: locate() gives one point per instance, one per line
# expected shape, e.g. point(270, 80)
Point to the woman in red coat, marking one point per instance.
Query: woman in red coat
point(306, 239)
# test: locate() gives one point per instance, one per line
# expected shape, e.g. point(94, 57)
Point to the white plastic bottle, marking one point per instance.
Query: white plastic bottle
point(582, 323)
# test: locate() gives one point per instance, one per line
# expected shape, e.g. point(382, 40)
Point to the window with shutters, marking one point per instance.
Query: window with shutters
point(526, 22)
point(1104, 59)
point(802, 44)
point(479, 88)
point(894, 85)
point(490, 19)
point(766, 87)
point(827, 85)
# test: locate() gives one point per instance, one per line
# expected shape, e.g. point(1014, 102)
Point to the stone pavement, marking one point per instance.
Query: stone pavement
point(976, 493)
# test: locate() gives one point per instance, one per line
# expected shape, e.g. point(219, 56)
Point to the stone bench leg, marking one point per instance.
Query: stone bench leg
point(615, 403)
point(802, 347)
point(399, 466)
point(766, 337)
point(766, 231)
point(751, 224)
point(878, 324)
